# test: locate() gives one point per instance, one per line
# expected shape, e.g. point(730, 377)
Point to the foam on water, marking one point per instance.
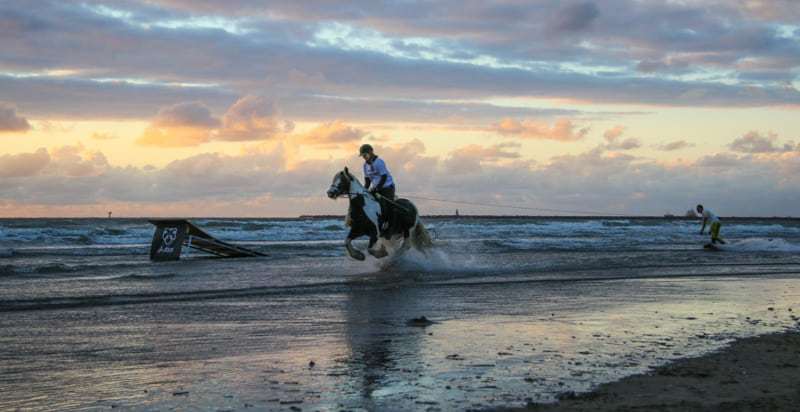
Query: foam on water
point(434, 259)
point(763, 245)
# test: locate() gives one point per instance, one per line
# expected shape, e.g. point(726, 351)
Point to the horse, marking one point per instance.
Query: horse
point(376, 216)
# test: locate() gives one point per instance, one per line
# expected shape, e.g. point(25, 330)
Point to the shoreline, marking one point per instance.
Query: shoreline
point(756, 373)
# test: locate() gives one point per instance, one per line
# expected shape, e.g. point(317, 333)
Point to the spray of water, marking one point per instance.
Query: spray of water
point(758, 244)
point(429, 260)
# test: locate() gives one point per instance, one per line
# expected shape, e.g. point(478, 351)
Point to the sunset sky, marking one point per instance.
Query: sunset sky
point(249, 107)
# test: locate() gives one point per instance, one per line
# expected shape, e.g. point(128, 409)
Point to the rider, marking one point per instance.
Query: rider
point(710, 217)
point(376, 174)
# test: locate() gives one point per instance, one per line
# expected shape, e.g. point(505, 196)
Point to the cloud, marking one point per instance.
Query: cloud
point(754, 142)
point(333, 134)
point(252, 118)
point(103, 136)
point(23, 164)
point(562, 130)
point(77, 98)
point(771, 10)
point(11, 122)
point(576, 17)
point(676, 145)
point(490, 153)
point(76, 161)
point(472, 158)
point(613, 133)
point(192, 124)
point(627, 144)
point(262, 182)
point(613, 141)
point(719, 160)
point(170, 52)
point(184, 124)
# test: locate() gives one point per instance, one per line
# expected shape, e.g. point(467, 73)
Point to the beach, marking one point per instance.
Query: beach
point(752, 374)
point(522, 312)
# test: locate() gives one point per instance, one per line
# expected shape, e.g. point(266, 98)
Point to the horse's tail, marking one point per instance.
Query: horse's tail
point(420, 237)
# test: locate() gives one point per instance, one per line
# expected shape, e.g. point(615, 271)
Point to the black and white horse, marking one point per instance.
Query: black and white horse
point(378, 217)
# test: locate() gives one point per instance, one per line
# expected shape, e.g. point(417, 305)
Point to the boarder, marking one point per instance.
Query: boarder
point(715, 224)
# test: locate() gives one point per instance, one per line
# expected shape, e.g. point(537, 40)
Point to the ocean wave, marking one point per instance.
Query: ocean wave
point(135, 277)
point(220, 223)
point(252, 227)
point(60, 268)
point(763, 245)
point(333, 227)
point(615, 223)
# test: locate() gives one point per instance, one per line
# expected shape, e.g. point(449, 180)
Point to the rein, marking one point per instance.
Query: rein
point(377, 198)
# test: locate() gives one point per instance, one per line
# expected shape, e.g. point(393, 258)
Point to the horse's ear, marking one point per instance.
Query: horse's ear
point(346, 170)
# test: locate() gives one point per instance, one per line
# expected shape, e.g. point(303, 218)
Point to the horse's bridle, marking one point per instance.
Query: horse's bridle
point(349, 193)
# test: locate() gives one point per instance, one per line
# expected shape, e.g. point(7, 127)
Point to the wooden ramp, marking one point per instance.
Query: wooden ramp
point(172, 235)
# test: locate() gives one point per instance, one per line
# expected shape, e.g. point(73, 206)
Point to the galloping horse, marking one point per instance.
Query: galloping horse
point(376, 216)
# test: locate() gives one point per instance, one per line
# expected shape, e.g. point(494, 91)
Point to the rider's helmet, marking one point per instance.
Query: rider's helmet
point(365, 148)
point(699, 208)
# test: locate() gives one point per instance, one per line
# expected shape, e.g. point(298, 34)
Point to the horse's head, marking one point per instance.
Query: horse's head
point(341, 184)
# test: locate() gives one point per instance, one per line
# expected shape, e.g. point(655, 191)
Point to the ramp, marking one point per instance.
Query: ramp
point(172, 235)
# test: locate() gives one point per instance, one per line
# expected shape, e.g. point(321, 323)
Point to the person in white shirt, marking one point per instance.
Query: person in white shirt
point(715, 224)
point(377, 178)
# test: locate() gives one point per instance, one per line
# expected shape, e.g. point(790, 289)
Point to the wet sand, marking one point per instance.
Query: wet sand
point(752, 374)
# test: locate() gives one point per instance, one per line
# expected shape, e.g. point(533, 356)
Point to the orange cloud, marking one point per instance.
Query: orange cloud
point(333, 134)
point(613, 141)
point(614, 132)
point(562, 130)
point(184, 124)
point(75, 161)
point(252, 118)
point(192, 124)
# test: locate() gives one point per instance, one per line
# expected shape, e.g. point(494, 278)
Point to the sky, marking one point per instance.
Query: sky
point(250, 107)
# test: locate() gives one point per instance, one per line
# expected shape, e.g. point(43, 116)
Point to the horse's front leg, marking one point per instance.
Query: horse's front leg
point(379, 253)
point(406, 242)
point(352, 251)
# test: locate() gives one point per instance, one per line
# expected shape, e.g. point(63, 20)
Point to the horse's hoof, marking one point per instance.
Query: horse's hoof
point(378, 254)
point(355, 254)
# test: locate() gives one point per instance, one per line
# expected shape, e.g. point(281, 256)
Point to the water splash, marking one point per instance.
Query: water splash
point(764, 245)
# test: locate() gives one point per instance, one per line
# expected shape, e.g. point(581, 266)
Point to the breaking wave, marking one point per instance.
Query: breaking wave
point(764, 245)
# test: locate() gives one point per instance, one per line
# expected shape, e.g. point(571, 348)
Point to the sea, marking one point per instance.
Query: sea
point(517, 310)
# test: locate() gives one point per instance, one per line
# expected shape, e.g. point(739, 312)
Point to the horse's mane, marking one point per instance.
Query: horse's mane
point(355, 184)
